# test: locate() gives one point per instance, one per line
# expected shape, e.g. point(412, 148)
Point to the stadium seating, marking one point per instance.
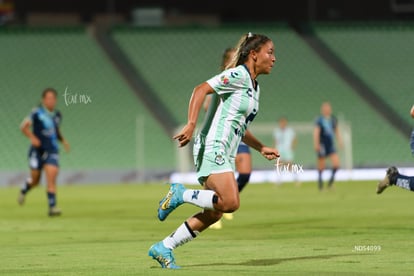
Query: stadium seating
point(380, 53)
point(103, 133)
point(117, 131)
point(175, 60)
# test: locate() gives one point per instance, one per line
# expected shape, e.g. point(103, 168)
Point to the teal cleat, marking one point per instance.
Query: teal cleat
point(172, 200)
point(163, 255)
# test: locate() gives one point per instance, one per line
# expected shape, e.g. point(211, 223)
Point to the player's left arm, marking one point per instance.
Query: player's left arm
point(62, 139)
point(267, 152)
point(59, 133)
point(295, 141)
point(339, 136)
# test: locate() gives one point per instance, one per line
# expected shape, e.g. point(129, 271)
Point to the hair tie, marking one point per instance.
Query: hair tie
point(249, 35)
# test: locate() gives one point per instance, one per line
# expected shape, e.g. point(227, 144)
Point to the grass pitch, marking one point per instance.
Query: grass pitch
point(278, 230)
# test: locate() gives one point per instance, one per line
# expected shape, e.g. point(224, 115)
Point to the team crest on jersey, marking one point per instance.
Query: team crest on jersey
point(225, 80)
point(234, 74)
point(219, 159)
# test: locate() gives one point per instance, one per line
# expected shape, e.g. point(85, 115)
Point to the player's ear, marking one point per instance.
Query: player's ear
point(254, 55)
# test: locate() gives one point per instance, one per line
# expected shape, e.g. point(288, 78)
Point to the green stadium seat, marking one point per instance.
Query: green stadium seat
point(174, 60)
point(103, 133)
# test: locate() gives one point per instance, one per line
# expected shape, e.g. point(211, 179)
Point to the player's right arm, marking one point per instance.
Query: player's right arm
point(196, 102)
point(316, 138)
point(206, 103)
point(25, 128)
point(294, 142)
point(412, 111)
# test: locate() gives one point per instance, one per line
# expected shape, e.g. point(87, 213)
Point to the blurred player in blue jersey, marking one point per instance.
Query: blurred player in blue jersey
point(325, 132)
point(393, 177)
point(243, 157)
point(42, 129)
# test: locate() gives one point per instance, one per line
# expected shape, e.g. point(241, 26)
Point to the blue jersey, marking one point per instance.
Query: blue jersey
point(327, 129)
point(45, 127)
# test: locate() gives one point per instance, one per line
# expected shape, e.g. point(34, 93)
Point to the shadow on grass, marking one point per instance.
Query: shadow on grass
point(275, 261)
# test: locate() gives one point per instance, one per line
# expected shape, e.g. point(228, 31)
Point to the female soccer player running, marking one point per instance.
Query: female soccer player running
point(43, 152)
point(234, 105)
point(243, 159)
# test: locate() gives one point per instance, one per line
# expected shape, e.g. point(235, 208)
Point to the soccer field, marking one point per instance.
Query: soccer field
point(278, 230)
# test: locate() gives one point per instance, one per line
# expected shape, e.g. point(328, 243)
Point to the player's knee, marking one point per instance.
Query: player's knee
point(231, 206)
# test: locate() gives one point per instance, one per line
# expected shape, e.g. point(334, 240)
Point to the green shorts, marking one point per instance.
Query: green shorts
point(212, 163)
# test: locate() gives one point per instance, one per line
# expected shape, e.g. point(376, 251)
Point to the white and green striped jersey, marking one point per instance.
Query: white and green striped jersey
point(232, 108)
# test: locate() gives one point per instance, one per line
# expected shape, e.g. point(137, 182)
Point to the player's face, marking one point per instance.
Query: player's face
point(49, 101)
point(265, 58)
point(282, 123)
point(326, 109)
